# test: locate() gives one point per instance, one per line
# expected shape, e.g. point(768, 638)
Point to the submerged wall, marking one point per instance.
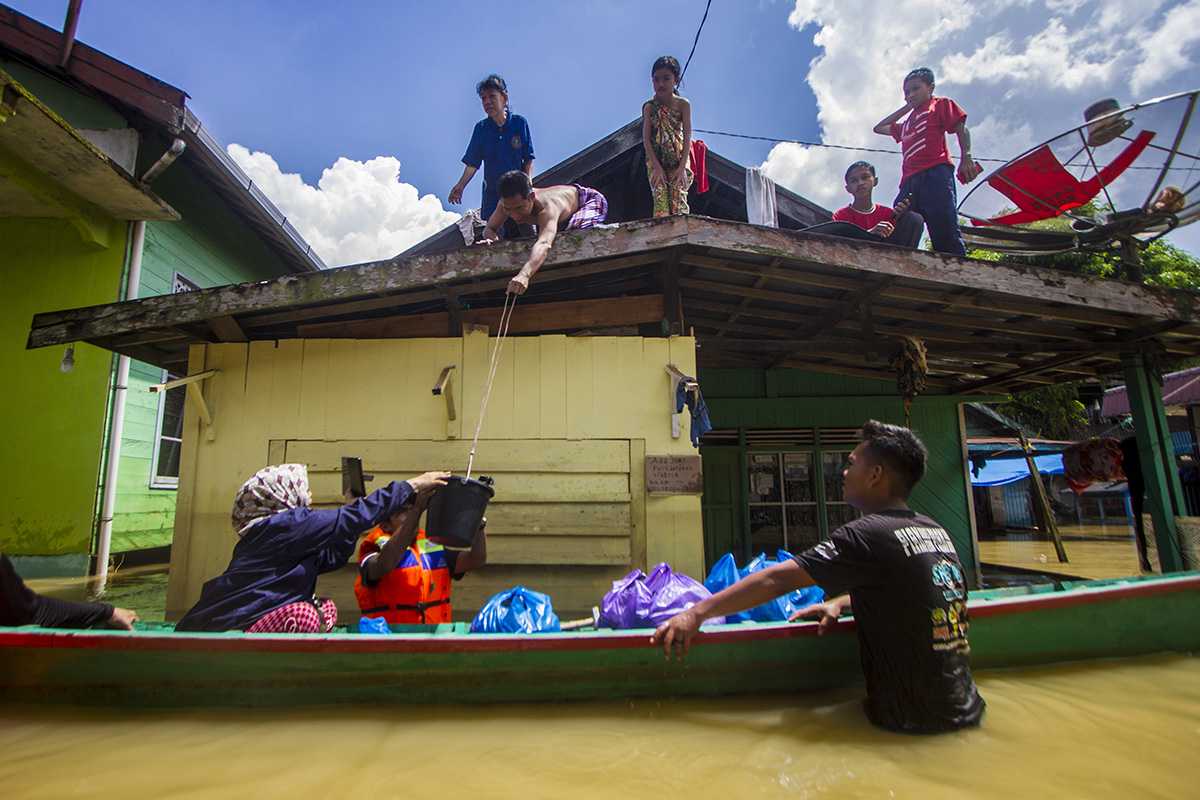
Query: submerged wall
point(54, 421)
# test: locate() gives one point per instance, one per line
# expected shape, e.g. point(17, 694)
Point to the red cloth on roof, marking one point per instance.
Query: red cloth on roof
point(1042, 188)
point(922, 136)
point(699, 170)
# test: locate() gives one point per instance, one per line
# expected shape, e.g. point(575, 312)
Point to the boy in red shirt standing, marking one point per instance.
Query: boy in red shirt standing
point(928, 174)
point(897, 226)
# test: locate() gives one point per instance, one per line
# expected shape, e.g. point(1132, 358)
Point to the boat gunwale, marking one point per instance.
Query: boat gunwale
point(430, 643)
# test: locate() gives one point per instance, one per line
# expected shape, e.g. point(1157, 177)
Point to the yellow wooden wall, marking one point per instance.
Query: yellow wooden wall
point(567, 429)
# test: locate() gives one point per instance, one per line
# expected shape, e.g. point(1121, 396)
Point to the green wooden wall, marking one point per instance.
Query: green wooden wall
point(210, 246)
point(54, 421)
point(757, 398)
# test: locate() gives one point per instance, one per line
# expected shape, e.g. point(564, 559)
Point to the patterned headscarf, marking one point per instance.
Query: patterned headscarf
point(271, 490)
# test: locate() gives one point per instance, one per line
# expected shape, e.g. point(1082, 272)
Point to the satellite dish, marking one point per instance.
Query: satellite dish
point(1122, 179)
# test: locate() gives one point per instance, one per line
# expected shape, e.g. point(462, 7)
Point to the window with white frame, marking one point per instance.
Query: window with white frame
point(164, 472)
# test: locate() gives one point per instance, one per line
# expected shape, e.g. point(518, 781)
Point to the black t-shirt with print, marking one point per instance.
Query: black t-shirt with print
point(910, 605)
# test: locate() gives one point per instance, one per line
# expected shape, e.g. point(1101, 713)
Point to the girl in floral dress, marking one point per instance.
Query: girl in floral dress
point(667, 137)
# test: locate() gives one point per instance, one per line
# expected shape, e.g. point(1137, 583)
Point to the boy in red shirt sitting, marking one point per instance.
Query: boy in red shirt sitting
point(897, 226)
point(928, 174)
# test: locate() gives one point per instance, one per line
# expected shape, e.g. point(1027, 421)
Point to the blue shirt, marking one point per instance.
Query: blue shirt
point(500, 149)
point(277, 561)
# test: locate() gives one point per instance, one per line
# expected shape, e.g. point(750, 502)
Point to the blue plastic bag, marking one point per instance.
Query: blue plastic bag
point(801, 598)
point(646, 601)
point(782, 607)
point(373, 625)
point(516, 610)
point(725, 573)
point(778, 610)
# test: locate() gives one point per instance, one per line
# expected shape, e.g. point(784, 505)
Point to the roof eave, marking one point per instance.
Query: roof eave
point(221, 169)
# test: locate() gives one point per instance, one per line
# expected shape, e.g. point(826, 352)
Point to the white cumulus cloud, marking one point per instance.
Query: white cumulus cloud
point(358, 211)
point(1023, 69)
point(1170, 48)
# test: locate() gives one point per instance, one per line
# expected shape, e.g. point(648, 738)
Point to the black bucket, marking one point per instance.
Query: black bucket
point(456, 510)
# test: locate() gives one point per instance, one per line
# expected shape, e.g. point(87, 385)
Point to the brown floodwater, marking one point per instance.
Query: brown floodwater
point(1115, 729)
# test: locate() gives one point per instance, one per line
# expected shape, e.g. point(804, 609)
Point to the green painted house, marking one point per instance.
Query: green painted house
point(209, 227)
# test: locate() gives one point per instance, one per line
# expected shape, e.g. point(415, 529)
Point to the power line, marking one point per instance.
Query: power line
point(897, 152)
point(823, 144)
point(696, 40)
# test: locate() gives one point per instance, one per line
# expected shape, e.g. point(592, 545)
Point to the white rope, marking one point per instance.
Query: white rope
point(505, 318)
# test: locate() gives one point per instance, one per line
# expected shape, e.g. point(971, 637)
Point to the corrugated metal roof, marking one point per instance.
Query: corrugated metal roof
point(1180, 388)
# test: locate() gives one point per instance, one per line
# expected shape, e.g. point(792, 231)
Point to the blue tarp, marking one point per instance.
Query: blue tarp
point(1001, 471)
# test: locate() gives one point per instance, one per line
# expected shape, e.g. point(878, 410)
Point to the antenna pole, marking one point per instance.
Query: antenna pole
point(1131, 258)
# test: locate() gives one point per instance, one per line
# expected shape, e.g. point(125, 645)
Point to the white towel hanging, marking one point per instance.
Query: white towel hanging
point(760, 199)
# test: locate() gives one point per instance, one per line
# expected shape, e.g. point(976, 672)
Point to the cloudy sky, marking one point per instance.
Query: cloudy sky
point(353, 116)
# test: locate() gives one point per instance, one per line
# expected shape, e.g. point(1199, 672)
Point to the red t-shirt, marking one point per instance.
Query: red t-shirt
point(922, 136)
point(865, 221)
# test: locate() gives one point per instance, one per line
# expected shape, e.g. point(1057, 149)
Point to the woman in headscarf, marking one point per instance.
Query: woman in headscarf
point(284, 544)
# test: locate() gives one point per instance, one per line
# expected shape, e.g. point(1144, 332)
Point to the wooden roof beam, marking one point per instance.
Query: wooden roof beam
point(970, 298)
point(397, 301)
point(1025, 372)
point(881, 310)
point(1015, 281)
point(365, 281)
point(539, 317)
point(845, 328)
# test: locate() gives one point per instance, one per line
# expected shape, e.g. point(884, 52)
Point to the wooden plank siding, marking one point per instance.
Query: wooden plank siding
point(568, 425)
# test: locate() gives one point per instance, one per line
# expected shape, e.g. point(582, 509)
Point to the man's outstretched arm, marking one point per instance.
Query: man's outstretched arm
point(752, 591)
point(547, 230)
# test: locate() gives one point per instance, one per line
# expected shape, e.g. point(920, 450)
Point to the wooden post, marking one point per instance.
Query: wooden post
point(743, 508)
point(1041, 503)
point(1164, 493)
point(672, 300)
point(975, 579)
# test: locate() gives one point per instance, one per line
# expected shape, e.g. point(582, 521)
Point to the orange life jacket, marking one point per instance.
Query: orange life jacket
point(416, 591)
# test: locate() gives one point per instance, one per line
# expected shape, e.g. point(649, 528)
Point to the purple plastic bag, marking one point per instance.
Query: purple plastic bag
point(646, 601)
point(619, 608)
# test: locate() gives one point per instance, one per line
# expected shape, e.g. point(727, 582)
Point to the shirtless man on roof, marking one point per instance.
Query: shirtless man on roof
point(551, 209)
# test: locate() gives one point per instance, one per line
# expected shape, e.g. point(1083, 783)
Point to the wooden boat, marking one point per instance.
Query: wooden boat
point(154, 666)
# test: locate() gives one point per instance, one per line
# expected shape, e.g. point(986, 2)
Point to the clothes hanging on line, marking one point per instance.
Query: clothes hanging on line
point(760, 199)
point(694, 400)
point(699, 166)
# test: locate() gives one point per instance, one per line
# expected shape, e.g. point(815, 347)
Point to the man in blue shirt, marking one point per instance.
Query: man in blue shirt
point(501, 142)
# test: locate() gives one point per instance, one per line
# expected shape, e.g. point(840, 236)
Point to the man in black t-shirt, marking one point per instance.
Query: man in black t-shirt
point(900, 573)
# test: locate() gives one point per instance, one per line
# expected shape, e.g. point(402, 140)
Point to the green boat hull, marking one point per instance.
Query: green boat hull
point(1018, 627)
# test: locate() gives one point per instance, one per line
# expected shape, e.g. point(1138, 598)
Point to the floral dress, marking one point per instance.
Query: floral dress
point(667, 139)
